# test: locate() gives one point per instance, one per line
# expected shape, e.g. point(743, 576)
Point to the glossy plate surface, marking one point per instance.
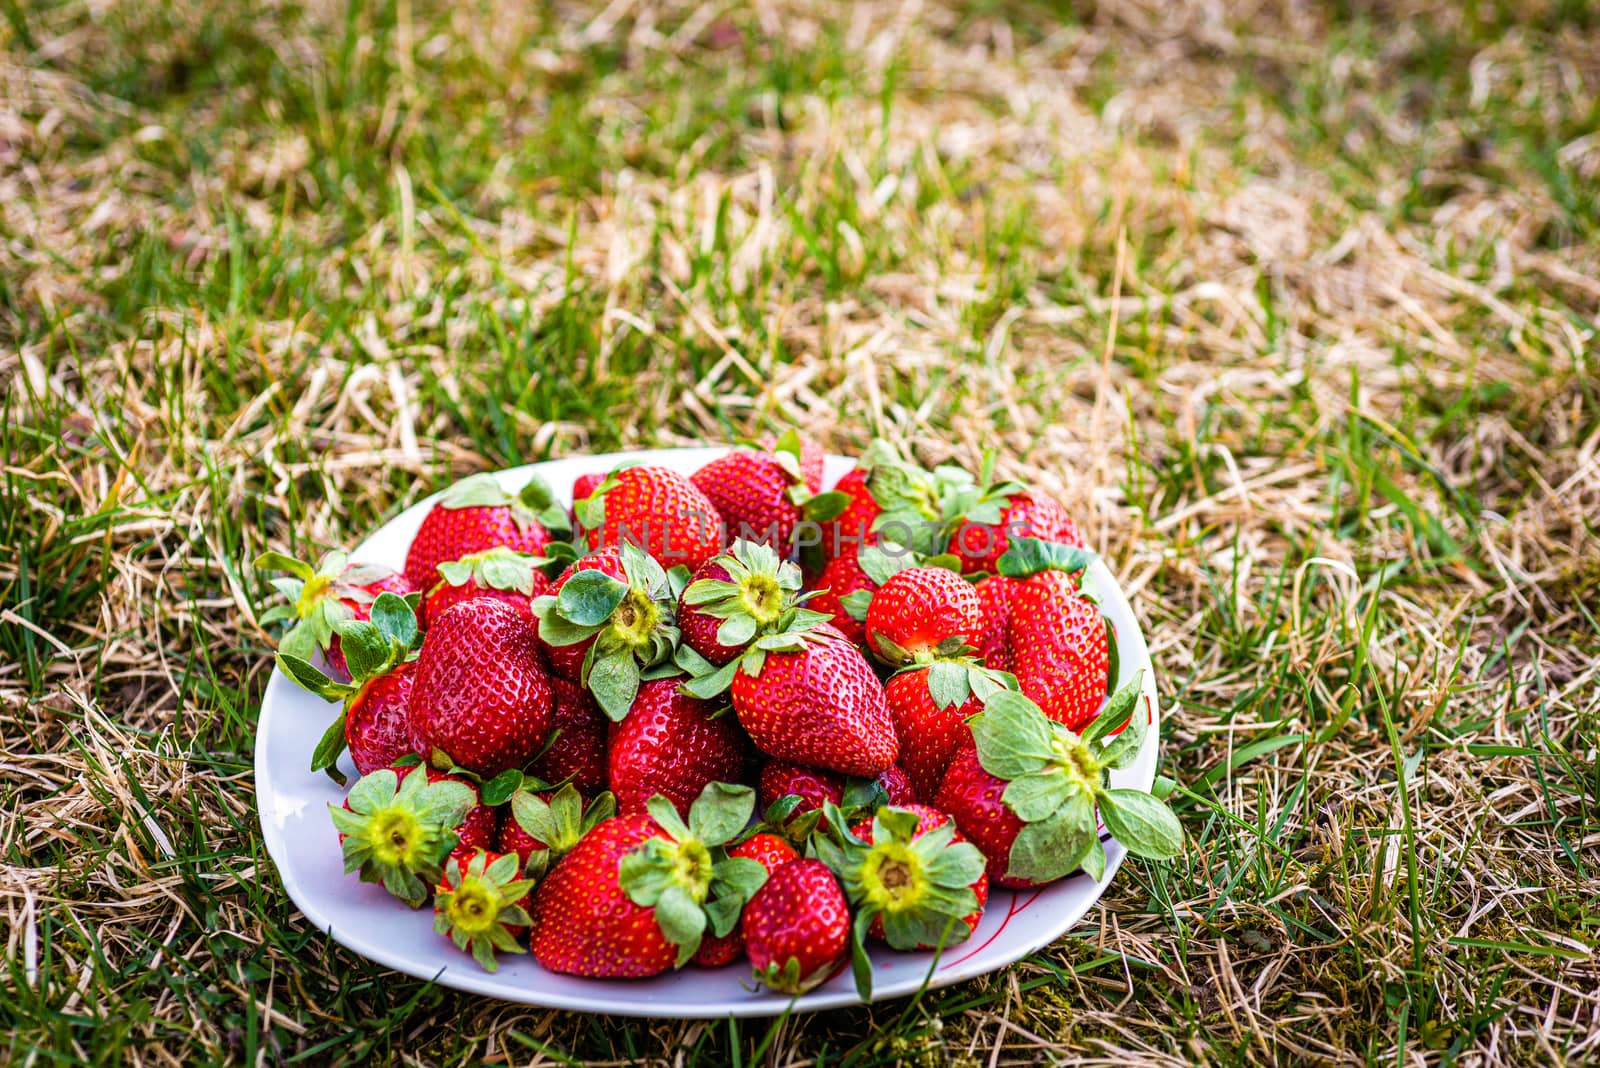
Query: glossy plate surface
point(293, 804)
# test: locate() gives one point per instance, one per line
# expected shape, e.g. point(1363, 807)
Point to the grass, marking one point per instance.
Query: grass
point(1295, 309)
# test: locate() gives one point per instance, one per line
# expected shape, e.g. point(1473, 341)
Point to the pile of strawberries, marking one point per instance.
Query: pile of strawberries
point(694, 719)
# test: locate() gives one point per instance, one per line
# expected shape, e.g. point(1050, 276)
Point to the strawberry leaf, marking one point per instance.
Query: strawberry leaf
point(720, 812)
point(1146, 826)
point(860, 963)
point(1094, 861)
point(682, 922)
point(275, 561)
point(366, 653)
point(948, 684)
point(501, 788)
point(880, 566)
point(1026, 556)
point(588, 598)
point(1118, 710)
point(326, 755)
point(856, 603)
point(1053, 847)
point(482, 490)
point(826, 506)
point(394, 620)
point(1013, 736)
point(309, 678)
point(708, 686)
point(1036, 795)
point(614, 681)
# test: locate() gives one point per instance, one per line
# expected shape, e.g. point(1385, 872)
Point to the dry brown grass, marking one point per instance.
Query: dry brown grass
point(1296, 311)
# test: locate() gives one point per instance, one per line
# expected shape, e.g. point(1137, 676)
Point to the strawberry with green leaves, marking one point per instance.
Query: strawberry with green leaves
point(1059, 642)
point(807, 695)
point(672, 745)
point(797, 927)
point(921, 613)
point(735, 598)
point(481, 700)
point(374, 720)
point(1027, 790)
point(576, 751)
point(478, 513)
point(772, 853)
point(322, 597)
point(396, 829)
point(638, 894)
point(930, 705)
point(655, 508)
point(996, 514)
point(762, 495)
point(481, 904)
point(543, 827)
point(499, 573)
point(611, 623)
point(913, 880)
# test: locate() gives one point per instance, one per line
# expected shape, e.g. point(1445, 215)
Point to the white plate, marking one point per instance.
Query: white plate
point(300, 838)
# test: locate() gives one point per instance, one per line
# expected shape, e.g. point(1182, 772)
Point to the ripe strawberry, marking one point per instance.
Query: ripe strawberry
point(481, 695)
point(477, 514)
point(813, 786)
point(840, 578)
point(656, 509)
point(896, 785)
point(670, 744)
point(851, 530)
point(768, 850)
point(1026, 790)
point(797, 927)
point(499, 573)
point(481, 903)
point(578, 752)
point(396, 829)
point(762, 495)
point(479, 828)
point(734, 599)
point(911, 872)
point(610, 616)
point(810, 697)
point(921, 612)
point(980, 545)
point(930, 706)
point(543, 827)
point(991, 645)
point(374, 720)
point(638, 893)
point(321, 598)
point(1059, 649)
point(583, 486)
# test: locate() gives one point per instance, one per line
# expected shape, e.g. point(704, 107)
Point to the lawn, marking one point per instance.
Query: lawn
point(1295, 305)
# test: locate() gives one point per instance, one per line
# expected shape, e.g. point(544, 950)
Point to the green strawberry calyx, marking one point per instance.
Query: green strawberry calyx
point(633, 623)
point(1057, 780)
point(558, 821)
point(398, 833)
point(317, 598)
point(478, 902)
point(952, 680)
point(686, 874)
point(499, 568)
point(920, 886)
point(372, 648)
point(760, 588)
point(1025, 556)
point(790, 633)
point(534, 503)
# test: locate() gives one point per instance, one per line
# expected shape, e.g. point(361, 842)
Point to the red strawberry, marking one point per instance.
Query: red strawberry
point(980, 545)
point(481, 694)
point(734, 599)
point(815, 700)
point(768, 850)
point(761, 495)
point(320, 598)
point(930, 706)
point(909, 869)
point(477, 514)
point(813, 786)
point(842, 577)
point(1027, 788)
point(611, 616)
point(797, 927)
point(991, 645)
point(375, 719)
point(543, 827)
point(634, 897)
point(499, 573)
point(481, 904)
point(670, 744)
point(583, 486)
point(851, 529)
point(715, 951)
point(897, 785)
point(656, 509)
point(476, 830)
point(1059, 649)
point(377, 726)
point(396, 829)
point(578, 752)
point(921, 611)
